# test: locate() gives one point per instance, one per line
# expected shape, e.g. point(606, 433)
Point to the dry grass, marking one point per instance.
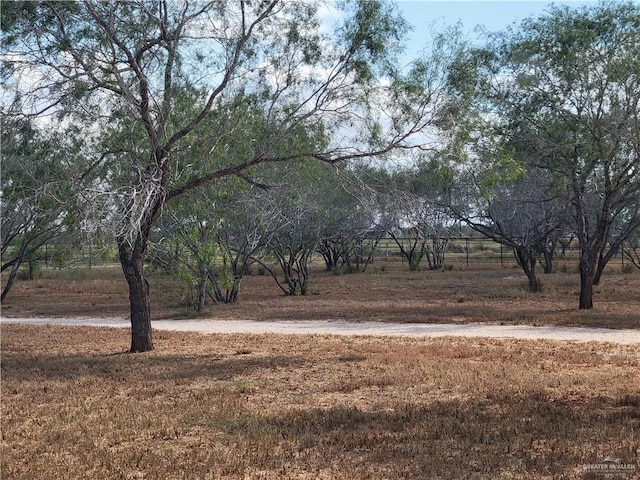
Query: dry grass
point(387, 292)
point(309, 407)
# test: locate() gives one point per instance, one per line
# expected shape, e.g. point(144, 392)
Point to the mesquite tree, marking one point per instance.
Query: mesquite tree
point(414, 202)
point(563, 91)
point(347, 212)
point(38, 202)
point(210, 238)
point(176, 77)
point(518, 209)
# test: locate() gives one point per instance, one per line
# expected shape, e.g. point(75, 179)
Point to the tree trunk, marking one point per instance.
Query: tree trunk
point(527, 260)
point(586, 289)
point(590, 249)
point(330, 253)
point(587, 269)
point(15, 265)
point(202, 288)
point(547, 256)
point(10, 279)
point(303, 272)
point(534, 286)
point(603, 260)
point(132, 262)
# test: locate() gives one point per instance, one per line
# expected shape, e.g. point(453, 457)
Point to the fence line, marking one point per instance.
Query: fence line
point(460, 250)
point(474, 250)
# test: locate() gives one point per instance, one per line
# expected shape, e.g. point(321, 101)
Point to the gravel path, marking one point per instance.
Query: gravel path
point(339, 327)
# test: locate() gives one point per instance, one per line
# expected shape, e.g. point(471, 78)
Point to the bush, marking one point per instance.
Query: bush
point(30, 271)
point(539, 281)
point(340, 270)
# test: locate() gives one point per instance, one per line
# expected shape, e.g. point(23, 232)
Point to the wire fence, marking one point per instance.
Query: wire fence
point(461, 251)
point(87, 255)
point(466, 251)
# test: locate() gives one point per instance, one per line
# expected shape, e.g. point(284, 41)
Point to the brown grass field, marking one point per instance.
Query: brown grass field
point(75, 406)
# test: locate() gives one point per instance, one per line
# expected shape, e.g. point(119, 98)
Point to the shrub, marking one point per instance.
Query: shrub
point(30, 271)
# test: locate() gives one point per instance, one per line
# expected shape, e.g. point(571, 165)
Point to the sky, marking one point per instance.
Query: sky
point(495, 15)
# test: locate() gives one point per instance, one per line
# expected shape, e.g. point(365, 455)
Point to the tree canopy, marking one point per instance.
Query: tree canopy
point(562, 93)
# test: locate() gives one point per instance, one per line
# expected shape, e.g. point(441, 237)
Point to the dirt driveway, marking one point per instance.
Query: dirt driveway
point(340, 327)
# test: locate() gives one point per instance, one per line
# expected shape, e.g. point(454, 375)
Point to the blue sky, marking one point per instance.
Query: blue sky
point(495, 15)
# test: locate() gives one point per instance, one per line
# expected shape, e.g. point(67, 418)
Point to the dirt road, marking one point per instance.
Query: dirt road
point(578, 334)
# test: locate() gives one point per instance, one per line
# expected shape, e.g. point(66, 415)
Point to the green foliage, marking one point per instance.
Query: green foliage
point(557, 96)
point(373, 36)
point(31, 271)
point(37, 190)
point(501, 169)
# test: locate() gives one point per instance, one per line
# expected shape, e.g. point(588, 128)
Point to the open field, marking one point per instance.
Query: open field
point(233, 406)
point(387, 292)
point(270, 407)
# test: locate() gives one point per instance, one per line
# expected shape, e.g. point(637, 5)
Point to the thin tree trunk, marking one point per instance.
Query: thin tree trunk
point(527, 260)
point(132, 262)
point(603, 260)
point(587, 268)
point(10, 280)
point(15, 265)
point(548, 254)
point(202, 288)
point(303, 272)
point(534, 286)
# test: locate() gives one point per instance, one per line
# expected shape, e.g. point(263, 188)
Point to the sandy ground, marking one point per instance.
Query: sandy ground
point(339, 327)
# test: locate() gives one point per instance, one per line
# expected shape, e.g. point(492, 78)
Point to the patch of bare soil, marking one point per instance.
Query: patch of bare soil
point(387, 292)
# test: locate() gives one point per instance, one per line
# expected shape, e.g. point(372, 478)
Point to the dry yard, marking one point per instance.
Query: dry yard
point(74, 406)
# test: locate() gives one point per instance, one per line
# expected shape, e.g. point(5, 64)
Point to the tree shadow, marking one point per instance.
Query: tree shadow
point(517, 437)
point(119, 365)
